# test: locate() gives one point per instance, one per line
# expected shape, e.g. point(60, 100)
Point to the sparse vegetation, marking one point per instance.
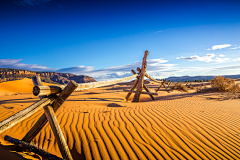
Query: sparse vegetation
point(223, 84)
point(180, 86)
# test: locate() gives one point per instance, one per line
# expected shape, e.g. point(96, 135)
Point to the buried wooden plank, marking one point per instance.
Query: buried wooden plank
point(32, 148)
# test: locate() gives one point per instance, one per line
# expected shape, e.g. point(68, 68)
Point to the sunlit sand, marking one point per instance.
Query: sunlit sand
point(99, 124)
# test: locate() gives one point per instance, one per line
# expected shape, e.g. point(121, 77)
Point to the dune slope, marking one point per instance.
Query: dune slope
point(99, 124)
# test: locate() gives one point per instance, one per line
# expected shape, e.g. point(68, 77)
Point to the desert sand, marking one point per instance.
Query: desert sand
point(99, 124)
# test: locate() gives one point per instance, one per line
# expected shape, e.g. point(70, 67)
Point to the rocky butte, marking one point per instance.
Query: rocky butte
point(7, 74)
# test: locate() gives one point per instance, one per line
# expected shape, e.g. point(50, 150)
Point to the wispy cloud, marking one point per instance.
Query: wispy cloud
point(235, 47)
point(221, 46)
point(158, 32)
point(237, 59)
point(31, 3)
point(208, 58)
point(16, 64)
point(153, 65)
point(221, 55)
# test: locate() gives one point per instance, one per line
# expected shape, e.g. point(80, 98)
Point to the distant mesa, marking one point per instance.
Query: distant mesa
point(7, 74)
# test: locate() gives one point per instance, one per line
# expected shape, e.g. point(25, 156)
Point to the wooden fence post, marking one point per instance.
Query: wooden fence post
point(62, 145)
point(134, 86)
point(141, 78)
point(72, 85)
point(144, 86)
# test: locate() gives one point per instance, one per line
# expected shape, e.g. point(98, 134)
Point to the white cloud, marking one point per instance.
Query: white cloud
point(209, 49)
point(208, 58)
point(221, 55)
point(235, 47)
point(221, 46)
point(16, 64)
point(237, 59)
point(153, 65)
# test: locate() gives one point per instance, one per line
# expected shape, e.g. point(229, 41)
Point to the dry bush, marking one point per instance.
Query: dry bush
point(191, 87)
point(235, 88)
point(220, 83)
point(180, 86)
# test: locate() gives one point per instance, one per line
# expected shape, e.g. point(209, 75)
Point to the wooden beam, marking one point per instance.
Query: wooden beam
point(82, 86)
point(46, 90)
point(163, 84)
point(141, 78)
point(72, 85)
point(144, 86)
point(27, 112)
point(32, 148)
point(125, 90)
point(134, 86)
point(62, 145)
point(37, 82)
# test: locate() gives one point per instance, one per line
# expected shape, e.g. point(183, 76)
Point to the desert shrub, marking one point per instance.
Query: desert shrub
point(220, 83)
point(235, 88)
point(191, 87)
point(180, 86)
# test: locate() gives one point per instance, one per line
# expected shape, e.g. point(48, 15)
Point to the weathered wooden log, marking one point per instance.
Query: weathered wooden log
point(125, 90)
point(141, 78)
point(37, 82)
point(46, 90)
point(144, 86)
point(72, 85)
point(134, 86)
point(62, 145)
point(32, 148)
point(27, 112)
point(82, 86)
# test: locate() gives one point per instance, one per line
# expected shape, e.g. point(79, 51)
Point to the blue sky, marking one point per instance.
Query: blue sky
point(108, 38)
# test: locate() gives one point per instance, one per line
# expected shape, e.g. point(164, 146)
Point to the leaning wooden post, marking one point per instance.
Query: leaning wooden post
point(18, 117)
point(72, 85)
point(141, 77)
point(135, 85)
point(62, 145)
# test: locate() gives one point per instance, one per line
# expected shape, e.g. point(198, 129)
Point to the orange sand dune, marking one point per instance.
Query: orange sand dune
point(99, 124)
point(18, 86)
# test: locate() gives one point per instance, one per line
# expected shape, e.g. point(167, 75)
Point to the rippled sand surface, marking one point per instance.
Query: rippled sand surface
point(100, 124)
